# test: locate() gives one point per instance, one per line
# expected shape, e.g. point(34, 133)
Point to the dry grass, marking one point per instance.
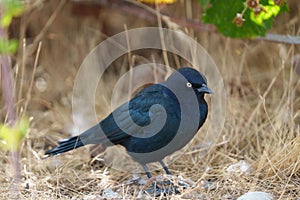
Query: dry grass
point(262, 121)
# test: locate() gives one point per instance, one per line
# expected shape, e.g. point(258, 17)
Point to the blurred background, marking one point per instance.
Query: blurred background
point(262, 85)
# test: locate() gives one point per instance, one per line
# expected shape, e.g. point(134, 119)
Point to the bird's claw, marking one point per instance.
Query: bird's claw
point(157, 191)
point(166, 188)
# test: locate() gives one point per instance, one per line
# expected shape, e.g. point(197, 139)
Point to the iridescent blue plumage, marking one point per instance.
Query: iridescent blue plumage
point(151, 120)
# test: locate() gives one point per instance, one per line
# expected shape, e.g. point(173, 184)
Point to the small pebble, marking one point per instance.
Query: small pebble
point(256, 195)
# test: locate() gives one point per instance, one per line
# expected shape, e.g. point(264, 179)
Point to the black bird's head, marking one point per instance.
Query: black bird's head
point(195, 80)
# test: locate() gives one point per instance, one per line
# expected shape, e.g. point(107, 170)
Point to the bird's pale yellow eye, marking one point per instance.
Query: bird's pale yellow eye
point(188, 84)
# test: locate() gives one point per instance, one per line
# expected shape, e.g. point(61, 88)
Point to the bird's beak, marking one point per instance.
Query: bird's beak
point(204, 89)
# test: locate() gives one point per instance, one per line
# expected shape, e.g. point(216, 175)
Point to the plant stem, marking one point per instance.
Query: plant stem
point(7, 89)
point(9, 102)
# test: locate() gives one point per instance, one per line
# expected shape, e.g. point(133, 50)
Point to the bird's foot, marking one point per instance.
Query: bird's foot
point(159, 191)
point(179, 183)
point(167, 187)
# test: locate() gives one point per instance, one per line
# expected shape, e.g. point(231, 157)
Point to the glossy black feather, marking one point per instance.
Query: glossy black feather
point(130, 124)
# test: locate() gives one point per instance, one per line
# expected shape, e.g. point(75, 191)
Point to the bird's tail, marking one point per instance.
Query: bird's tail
point(65, 146)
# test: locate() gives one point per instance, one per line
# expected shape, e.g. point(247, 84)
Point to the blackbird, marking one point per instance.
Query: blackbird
point(159, 120)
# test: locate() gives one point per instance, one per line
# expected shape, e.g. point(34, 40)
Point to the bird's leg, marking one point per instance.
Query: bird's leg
point(166, 170)
point(155, 189)
point(147, 171)
point(165, 167)
point(172, 188)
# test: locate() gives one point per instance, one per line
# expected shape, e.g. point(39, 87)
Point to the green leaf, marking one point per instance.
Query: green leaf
point(10, 137)
point(269, 11)
point(222, 12)
point(8, 46)
point(23, 126)
point(5, 20)
point(12, 8)
point(204, 3)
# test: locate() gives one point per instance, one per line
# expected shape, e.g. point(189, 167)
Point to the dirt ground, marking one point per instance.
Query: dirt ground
point(262, 125)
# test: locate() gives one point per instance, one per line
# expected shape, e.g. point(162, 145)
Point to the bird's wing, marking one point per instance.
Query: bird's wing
point(143, 115)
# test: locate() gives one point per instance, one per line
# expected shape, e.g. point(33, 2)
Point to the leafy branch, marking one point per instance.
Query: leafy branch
point(149, 13)
point(11, 132)
point(242, 18)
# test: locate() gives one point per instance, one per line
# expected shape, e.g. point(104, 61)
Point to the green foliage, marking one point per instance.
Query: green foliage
point(8, 46)
point(270, 11)
point(10, 137)
point(11, 8)
point(204, 3)
point(235, 19)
